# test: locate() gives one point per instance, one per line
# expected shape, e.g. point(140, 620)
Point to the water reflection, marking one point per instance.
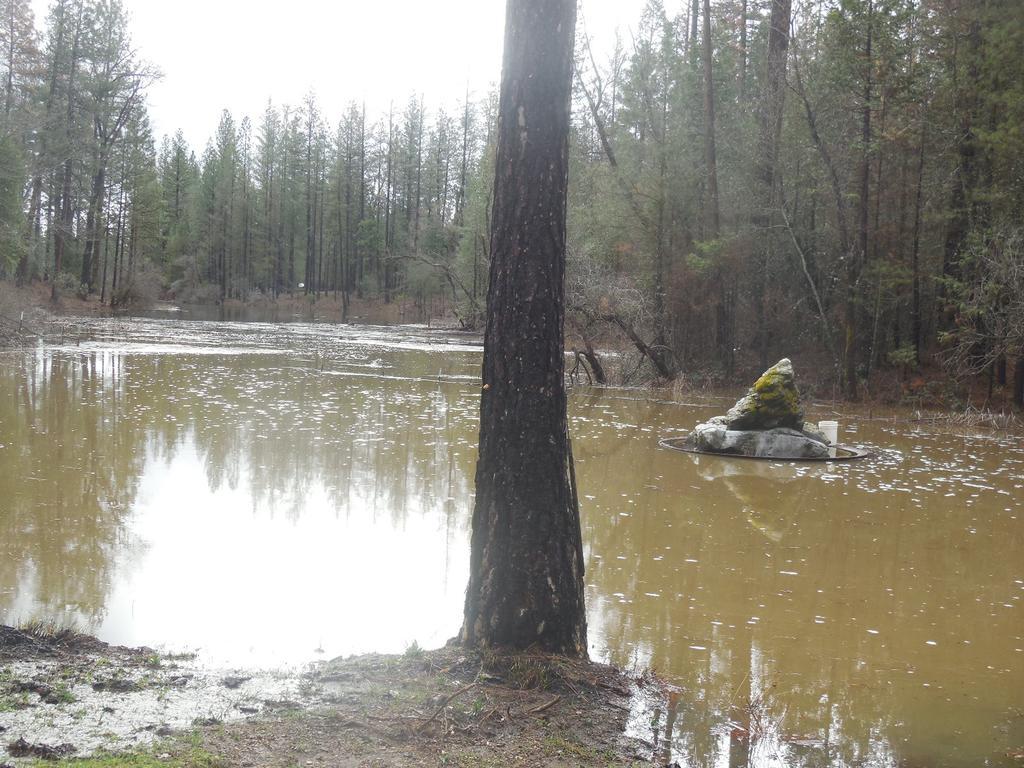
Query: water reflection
point(264, 492)
point(68, 474)
point(846, 614)
point(254, 505)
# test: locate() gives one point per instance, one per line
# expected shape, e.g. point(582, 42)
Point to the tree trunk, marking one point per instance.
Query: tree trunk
point(93, 225)
point(12, 38)
point(387, 208)
point(854, 265)
point(965, 174)
point(310, 205)
point(694, 15)
point(711, 165)
point(594, 362)
point(106, 258)
point(770, 118)
point(119, 237)
point(360, 267)
point(63, 230)
point(66, 206)
point(915, 268)
point(876, 239)
point(320, 229)
point(743, 50)
point(526, 564)
point(1018, 380)
point(461, 202)
point(419, 179)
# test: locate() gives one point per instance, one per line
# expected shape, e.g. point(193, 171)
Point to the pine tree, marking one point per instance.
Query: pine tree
point(526, 565)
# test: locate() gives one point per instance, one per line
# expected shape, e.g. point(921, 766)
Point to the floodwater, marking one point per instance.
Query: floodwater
point(275, 494)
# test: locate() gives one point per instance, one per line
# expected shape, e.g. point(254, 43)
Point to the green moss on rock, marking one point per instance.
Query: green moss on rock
point(773, 401)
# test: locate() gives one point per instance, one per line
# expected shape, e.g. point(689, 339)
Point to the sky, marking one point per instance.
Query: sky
point(237, 54)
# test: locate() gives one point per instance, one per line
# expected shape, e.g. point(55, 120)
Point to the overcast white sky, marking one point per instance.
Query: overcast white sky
point(235, 54)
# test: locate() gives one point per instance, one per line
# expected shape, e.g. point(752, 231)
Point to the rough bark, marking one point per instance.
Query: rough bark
point(526, 565)
point(915, 310)
point(965, 173)
point(93, 226)
point(743, 50)
point(460, 203)
point(595, 362)
point(770, 113)
point(694, 15)
point(710, 162)
point(1018, 380)
point(66, 212)
point(854, 265)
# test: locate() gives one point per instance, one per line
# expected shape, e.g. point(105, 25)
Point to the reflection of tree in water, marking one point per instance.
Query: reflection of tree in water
point(713, 571)
point(69, 470)
point(77, 435)
point(373, 444)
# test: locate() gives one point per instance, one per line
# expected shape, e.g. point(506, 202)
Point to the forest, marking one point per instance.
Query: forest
point(836, 179)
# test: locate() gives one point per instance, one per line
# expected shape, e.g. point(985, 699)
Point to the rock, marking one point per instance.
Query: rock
point(767, 422)
point(773, 401)
point(782, 442)
point(812, 431)
point(791, 443)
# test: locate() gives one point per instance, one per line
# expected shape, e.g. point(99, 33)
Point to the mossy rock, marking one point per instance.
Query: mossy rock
point(773, 401)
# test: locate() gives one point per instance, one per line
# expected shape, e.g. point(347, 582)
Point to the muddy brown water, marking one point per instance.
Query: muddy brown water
point(277, 494)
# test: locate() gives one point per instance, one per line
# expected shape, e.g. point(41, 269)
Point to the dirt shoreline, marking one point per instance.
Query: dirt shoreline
point(66, 696)
point(35, 301)
point(27, 316)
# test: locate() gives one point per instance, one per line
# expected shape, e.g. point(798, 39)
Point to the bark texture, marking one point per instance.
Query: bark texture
point(526, 565)
point(770, 113)
point(1018, 380)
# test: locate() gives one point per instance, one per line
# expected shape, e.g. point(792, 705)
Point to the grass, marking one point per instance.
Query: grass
point(187, 754)
point(115, 761)
point(191, 760)
point(183, 656)
point(153, 661)
point(528, 673)
point(13, 702)
point(48, 629)
point(413, 651)
point(63, 694)
point(560, 745)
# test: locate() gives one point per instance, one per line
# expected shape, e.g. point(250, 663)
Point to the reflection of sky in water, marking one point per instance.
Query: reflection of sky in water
point(245, 584)
point(260, 506)
point(268, 491)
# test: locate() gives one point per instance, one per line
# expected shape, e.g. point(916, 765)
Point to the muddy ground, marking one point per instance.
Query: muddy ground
point(64, 697)
point(28, 312)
